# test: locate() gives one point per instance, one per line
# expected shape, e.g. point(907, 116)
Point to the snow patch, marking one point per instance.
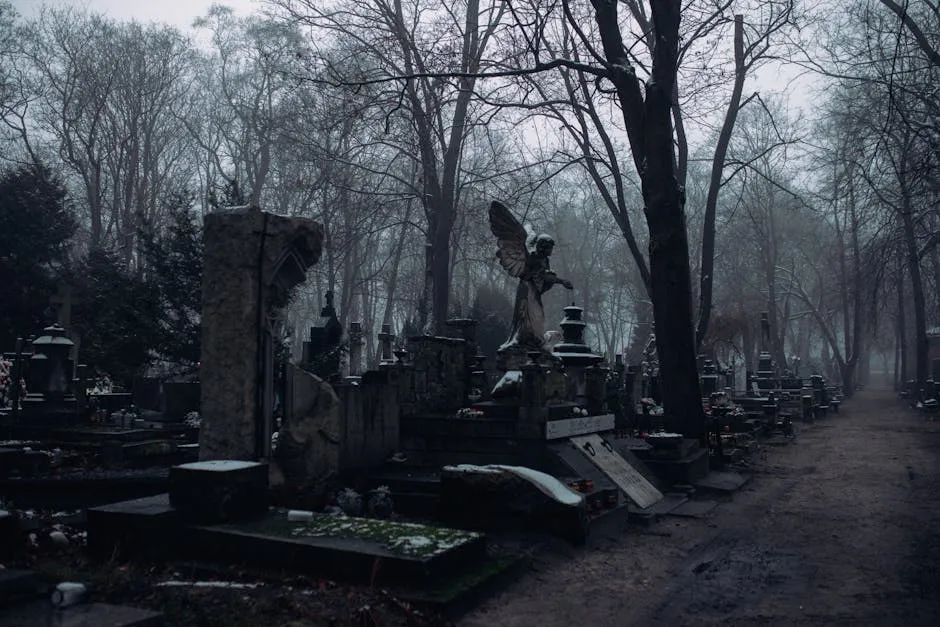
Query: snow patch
point(547, 484)
point(411, 543)
point(472, 468)
point(208, 584)
point(219, 465)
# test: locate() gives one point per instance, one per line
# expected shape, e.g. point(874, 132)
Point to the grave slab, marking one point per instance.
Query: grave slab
point(694, 509)
point(41, 614)
point(724, 481)
point(357, 548)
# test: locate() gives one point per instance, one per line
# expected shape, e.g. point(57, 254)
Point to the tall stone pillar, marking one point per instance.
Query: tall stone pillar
point(252, 260)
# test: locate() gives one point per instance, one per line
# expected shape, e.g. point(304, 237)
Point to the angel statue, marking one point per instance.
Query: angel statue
point(530, 266)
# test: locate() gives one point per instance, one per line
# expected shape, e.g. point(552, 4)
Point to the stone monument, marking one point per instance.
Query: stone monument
point(252, 260)
point(535, 276)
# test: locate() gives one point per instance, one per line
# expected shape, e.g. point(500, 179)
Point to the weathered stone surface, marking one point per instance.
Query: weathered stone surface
point(369, 423)
point(308, 446)
point(252, 260)
point(219, 491)
point(440, 374)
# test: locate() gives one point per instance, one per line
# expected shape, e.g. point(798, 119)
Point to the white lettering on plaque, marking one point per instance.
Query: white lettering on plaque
point(567, 427)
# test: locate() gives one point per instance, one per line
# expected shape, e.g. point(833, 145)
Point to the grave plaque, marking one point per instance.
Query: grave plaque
point(608, 461)
point(567, 427)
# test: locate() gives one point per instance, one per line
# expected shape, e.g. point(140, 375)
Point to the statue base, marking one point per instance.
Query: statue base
point(532, 377)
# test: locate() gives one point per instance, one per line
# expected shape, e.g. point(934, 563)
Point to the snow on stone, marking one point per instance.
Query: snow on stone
point(472, 468)
point(664, 435)
point(219, 465)
point(208, 584)
point(412, 542)
point(547, 484)
point(510, 379)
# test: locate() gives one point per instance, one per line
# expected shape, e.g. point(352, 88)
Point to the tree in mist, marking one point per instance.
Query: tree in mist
point(36, 226)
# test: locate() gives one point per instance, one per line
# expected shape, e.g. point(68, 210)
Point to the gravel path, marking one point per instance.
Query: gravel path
point(840, 528)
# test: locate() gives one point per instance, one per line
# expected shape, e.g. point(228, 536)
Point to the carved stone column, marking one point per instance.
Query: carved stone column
point(252, 260)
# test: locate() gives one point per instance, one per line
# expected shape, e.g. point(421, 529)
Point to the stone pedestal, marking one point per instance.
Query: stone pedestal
point(252, 260)
point(219, 491)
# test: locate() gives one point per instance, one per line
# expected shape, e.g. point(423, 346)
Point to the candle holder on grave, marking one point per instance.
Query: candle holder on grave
point(401, 355)
point(49, 385)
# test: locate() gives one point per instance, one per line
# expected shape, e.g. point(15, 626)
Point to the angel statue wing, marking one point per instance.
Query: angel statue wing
point(510, 238)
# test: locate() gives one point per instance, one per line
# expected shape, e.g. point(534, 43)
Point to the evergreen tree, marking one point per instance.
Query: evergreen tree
point(174, 266)
point(36, 226)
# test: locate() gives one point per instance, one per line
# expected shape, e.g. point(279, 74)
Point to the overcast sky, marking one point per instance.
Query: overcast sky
point(179, 13)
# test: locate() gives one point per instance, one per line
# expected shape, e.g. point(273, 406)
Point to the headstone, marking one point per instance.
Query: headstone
point(252, 261)
point(49, 386)
point(320, 353)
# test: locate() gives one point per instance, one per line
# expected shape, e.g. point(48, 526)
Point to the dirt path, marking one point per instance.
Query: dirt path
point(840, 528)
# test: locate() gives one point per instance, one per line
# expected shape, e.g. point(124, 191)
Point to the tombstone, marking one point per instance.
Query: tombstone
point(321, 354)
point(49, 385)
point(709, 378)
point(252, 261)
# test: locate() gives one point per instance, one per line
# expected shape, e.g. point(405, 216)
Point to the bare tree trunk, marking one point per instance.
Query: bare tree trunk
point(706, 279)
point(902, 331)
point(649, 129)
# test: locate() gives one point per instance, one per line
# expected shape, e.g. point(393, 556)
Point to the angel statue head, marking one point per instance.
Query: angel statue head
point(532, 269)
point(544, 245)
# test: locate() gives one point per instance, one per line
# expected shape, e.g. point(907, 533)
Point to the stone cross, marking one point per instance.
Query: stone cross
point(61, 303)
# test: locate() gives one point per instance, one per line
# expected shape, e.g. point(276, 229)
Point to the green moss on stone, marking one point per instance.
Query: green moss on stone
point(406, 539)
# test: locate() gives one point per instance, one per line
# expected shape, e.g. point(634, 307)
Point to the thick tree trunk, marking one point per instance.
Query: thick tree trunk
point(670, 274)
point(917, 291)
point(649, 128)
point(440, 273)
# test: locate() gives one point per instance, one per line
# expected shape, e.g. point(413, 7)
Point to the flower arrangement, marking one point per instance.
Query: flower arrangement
point(469, 412)
point(192, 420)
point(6, 382)
point(578, 412)
point(102, 385)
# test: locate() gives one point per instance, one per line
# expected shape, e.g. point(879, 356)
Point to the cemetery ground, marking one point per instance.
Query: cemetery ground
point(838, 528)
